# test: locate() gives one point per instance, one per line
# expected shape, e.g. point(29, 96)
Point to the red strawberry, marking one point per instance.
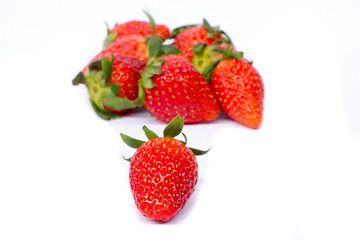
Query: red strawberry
point(187, 37)
point(239, 90)
point(163, 172)
point(133, 46)
point(136, 27)
point(112, 84)
point(177, 88)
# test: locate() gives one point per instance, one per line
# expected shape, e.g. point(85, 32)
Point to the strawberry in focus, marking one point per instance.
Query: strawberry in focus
point(179, 89)
point(163, 172)
point(239, 89)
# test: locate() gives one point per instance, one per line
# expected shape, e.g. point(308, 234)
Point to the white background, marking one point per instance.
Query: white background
point(62, 175)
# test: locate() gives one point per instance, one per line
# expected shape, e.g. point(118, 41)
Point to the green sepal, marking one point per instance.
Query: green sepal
point(184, 142)
point(109, 38)
point(115, 88)
point(174, 127)
point(198, 152)
point(149, 134)
point(225, 37)
point(79, 79)
point(131, 142)
point(199, 48)
point(95, 65)
point(178, 30)
point(103, 113)
point(168, 50)
point(118, 103)
point(227, 53)
point(141, 97)
point(207, 25)
point(154, 46)
point(237, 55)
point(127, 159)
point(106, 65)
point(152, 22)
point(208, 71)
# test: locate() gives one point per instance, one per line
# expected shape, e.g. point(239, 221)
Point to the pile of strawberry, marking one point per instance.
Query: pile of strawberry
point(192, 71)
point(185, 76)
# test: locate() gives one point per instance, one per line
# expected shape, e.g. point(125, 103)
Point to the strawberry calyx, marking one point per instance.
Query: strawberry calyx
point(103, 94)
point(211, 31)
point(156, 49)
point(207, 57)
point(173, 129)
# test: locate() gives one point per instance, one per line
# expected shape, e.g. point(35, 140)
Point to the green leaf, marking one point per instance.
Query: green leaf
point(208, 71)
point(158, 62)
point(226, 37)
point(141, 97)
point(115, 88)
point(198, 152)
point(95, 65)
point(131, 142)
point(118, 103)
point(103, 113)
point(79, 79)
point(106, 65)
point(185, 142)
point(146, 81)
point(109, 38)
point(168, 50)
point(178, 30)
point(199, 48)
point(149, 134)
point(174, 128)
point(152, 22)
point(207, 25)
point(154, 46)
point(237, 55)
point(127, 159)
point(227, 53)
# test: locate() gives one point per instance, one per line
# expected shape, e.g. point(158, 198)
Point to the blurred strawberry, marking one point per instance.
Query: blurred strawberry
point(137, 27)
point(112, 83)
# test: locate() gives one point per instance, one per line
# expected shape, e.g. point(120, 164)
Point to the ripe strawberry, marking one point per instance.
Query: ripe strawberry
point(206, 55)
point(137, 27)
point(112, 84)
point(188, 36)
point(239, 90)
point(133, 46)
point(163, 172)
point(177, 88)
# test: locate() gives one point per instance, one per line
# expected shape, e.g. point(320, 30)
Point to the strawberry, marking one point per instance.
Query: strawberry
point(239, 89)
point(136, 27)
point(206, 55)
point(111, 80)
point(177, 88)
point(188, 36)
point(133, 46)
point(163, 172)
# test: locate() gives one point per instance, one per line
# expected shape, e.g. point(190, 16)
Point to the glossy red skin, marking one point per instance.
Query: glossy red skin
point(163, 175)
point(133, 46)
point(126, 73)
point(191, 36)
point(142, 28)
point(181, 90)
point(239, 90)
